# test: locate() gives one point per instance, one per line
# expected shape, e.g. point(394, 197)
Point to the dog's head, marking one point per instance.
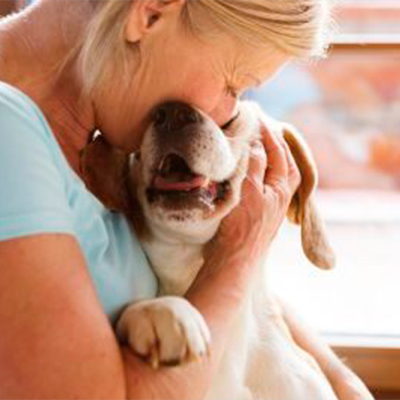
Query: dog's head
point(188, 175)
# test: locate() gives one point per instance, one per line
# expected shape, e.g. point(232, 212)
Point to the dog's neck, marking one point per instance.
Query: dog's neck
point(176, 258)
point(176, 265)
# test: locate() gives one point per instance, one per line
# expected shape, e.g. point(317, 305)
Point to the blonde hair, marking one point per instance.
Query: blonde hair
point(296, 27)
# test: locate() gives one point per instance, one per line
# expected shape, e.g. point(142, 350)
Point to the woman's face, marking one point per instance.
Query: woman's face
point(175, 65)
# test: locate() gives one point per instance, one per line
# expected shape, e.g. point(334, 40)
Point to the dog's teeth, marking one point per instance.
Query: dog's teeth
point(206, 183)
point(154, 358)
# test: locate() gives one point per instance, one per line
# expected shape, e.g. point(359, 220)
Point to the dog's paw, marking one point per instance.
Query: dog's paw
point(166, 330)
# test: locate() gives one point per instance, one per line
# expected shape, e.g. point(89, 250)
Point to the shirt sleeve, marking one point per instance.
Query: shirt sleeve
point(33, 193)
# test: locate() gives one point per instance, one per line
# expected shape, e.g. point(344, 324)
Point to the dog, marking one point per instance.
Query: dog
point(175, 191)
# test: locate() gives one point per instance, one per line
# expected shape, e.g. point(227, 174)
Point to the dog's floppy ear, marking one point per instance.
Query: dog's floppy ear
point(302, 209)
point(105, 172)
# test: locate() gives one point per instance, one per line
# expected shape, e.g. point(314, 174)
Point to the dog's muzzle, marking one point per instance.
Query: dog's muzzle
point(177, 127)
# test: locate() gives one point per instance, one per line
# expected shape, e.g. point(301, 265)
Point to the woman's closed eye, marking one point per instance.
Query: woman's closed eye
point(230, 122)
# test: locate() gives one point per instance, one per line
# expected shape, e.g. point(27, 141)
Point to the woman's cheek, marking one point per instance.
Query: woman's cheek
point(205, 94)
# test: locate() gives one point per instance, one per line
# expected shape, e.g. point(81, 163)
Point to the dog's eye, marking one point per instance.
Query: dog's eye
point(230, 122)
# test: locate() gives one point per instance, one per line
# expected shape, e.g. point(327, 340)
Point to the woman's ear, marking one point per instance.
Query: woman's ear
point(302, 209)
point(144, 15)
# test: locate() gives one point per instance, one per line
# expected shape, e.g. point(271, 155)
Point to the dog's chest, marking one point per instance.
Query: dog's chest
point(175, 264)
point(259, 362)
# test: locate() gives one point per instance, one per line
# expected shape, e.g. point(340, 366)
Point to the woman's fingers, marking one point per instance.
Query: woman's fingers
point(294, 176)
point(272, 178)
point(257, 165)
point(277, 170)
point(282, 169)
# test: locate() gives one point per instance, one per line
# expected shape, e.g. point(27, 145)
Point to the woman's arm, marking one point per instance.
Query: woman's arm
point(347, 385)
point(55, 340)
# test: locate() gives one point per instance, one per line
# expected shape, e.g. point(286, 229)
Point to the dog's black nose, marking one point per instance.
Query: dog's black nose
point(173, 116)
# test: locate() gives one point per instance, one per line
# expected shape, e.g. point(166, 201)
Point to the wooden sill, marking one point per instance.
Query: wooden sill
point(375, 359)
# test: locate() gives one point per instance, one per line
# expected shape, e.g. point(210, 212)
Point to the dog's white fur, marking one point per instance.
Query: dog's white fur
point(261, 361)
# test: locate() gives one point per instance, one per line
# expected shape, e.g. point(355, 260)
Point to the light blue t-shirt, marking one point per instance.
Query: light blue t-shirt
point(40, 193)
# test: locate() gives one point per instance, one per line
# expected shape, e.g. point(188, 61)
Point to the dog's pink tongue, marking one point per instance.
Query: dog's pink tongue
point(196, 182)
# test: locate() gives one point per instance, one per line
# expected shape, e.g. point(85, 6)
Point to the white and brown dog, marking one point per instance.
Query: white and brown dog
point(186, 178)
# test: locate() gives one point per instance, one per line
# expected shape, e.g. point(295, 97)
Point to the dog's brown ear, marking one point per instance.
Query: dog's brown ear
point(105, 172)
point(302, 209)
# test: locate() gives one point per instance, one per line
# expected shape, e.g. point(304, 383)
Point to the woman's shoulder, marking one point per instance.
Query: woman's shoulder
point(29, 170)
point(15, 103)
point(24, 129)
point(22, 120)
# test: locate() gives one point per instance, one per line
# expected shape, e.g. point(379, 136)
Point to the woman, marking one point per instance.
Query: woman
point(68, 265)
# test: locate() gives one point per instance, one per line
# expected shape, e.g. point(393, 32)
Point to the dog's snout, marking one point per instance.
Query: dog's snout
point(173, 116)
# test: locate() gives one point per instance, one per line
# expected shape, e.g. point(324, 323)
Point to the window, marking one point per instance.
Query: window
point(348, 107)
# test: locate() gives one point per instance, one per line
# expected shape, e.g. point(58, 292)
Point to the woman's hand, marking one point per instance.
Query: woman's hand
point(247, 232)
point(245, 235)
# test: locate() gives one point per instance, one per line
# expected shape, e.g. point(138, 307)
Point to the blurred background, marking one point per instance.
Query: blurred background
point(348, 108)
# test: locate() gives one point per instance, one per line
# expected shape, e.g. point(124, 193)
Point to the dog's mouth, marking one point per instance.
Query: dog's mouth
point(178, 186)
